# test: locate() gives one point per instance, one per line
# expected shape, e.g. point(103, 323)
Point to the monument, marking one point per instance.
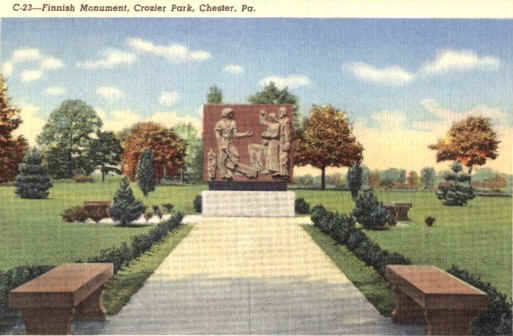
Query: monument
point(247, 160)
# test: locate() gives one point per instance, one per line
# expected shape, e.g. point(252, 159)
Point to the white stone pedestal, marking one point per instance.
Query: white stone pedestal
point(228, 203)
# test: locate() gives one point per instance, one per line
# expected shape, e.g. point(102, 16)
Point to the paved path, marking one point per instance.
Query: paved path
point(247, 276)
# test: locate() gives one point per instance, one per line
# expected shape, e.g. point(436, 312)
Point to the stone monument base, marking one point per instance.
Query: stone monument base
point(231, 203)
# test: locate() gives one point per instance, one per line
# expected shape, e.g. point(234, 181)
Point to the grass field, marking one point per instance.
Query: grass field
point(32, 231)
point(476, 237)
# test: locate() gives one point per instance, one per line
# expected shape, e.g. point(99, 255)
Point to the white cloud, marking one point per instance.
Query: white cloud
point(51, 63)
point(393, 75)
point(459, 60)
point(168, 98)
point(110, 93)
point(117, 120)
point(234, 69)
point(55, 91)
point(290, 81)
point(389, 119)
point(110, 58)
point(30, 75)
point(7, 69)
point(25, 55)
point(175, 53)
point(32, 123)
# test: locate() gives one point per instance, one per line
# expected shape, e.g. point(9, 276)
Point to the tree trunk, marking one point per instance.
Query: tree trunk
point(103, 175)
point(323, 178)
point(470, 175)
point(70, 165)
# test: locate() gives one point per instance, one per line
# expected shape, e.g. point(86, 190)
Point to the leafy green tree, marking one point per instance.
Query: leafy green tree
point(391, 176)
point(105, 153)
point(354, 179)
point(427, 177)
point(193, 161)
point(145, 175)
point(33, 181)
point(68, 134)
point(271, 94)
point(12, 149)
point(402, 176)
point(215, 95)
point(125, 208)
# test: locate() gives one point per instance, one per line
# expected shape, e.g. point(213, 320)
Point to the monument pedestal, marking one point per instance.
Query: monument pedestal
point(236, 203)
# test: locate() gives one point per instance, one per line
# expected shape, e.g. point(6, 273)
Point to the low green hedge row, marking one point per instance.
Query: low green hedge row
point(119, 256)
point(495, 320)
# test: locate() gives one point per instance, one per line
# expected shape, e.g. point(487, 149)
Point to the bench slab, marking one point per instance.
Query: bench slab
point(428, 294)
point(50, 301)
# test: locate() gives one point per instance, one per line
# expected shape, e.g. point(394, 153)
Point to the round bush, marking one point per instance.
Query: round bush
point(197, 203)
point(302, 206)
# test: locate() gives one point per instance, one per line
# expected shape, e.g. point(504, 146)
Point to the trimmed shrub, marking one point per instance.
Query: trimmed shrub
point(197, 203)
point(156, 211)
point(496, 319)
point(302, 206)
point(168, 207)
point(342, 227)
point(456, 190)
point(125, 208)
point(32, 182)
point(354, 179)
point(355, 238)
point(83, 179)
point(318, 212)
point(74, 214)
point(370, 213)
point(430, 220)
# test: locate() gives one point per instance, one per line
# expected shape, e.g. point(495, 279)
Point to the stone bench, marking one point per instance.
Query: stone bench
point(50, 301)
point(425, 294)
point(97, 210)
point(399, 210)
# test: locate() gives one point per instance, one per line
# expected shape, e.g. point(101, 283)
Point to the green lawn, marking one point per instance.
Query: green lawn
point(476, 237)
point(32, 231)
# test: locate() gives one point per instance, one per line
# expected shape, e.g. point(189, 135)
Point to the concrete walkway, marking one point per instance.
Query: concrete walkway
point(247, 276)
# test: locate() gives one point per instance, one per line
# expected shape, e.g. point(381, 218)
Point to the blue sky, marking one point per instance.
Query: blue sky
point(398, 79)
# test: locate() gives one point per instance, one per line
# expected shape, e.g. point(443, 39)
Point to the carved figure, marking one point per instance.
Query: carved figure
point(228, 156)
point(212, 164)
point(284, 142)
point(271, 140)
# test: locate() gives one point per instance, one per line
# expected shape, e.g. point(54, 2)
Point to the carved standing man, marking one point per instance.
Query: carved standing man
point(226, 131)
point(271, 139)
point(284, 142)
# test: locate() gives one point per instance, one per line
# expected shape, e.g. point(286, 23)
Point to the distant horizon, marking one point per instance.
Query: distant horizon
point(403, 82)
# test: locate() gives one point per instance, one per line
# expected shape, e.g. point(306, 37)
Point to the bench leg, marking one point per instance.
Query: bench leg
point(449, 322)
point(48, 321)
point(92, 307)
point(406, 310)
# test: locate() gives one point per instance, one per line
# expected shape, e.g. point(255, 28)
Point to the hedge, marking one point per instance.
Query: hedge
point(495, 320)
point(119, 256)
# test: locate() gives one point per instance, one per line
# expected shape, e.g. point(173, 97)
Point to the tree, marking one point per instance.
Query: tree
point(168, 149)
point(391, 176)
point(413, 179)
point(125, 208)
point(32, 181)
point(374, 179)
point(470, 142)
point(193, 163)
point(402, 176)
point(12, 149)
point(67, 134)
point(271, 94)
point(215, 95)
point(326, 141)
point(455, 191)
point(427, 177)
point(105, 153)
point(145, 176)
point(354, 179)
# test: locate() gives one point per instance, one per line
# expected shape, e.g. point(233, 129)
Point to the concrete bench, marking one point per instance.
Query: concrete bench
point(97, 210)
point(50, 302)
point(399, 210)
point(426, 294)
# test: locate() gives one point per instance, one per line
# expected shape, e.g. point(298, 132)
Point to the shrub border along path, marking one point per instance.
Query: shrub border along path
point(495, 320)
point(120, 256)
